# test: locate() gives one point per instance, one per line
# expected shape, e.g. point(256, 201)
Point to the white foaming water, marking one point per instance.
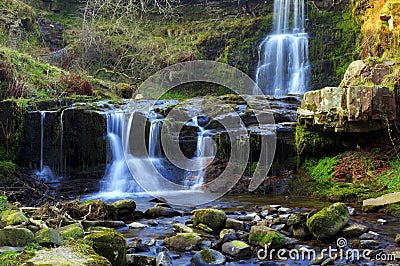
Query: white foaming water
point(283, 66)
point(45, 173)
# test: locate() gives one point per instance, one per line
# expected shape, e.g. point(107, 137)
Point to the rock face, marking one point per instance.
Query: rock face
point(354, 109)
point(328, 221)
point(213, 218)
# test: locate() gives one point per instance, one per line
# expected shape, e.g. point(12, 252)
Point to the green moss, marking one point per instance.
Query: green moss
point(73, 231)
point(213, 218)
point(13, 217)
point(239, 244)
point(207, 256)
point(262, 235)
point(111, 245)
point(321, 170)
point(49, 237)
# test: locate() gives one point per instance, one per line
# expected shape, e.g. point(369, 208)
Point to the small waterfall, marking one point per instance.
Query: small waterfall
point(117, 179)
point(205, 151)
point(45, 172)
point(155, 139)
point(283, 66)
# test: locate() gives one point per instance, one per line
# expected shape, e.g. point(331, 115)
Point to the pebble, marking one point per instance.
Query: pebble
point(382, 221)
point(136, 225)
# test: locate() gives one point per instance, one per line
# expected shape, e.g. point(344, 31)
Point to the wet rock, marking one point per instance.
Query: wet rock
point(215, 219)
point(16, 237)
point(181, 228)
point(225, 238)
point(208, 257)
point(234, 224)
point(284, 210)
point(49, 237)
point(109, 224)
point(136, 225)
point(12, 217)
point(319, 259)
point(109, 244)
point(382, 221)
point(160, 211)
point(138, 246)
point(371, 235)
point(397, 239)
point(139, 260)
point(354, 230)
point(262, 235)
point(67, 256)
point(164, 259)
point(352, 210)
point(225, 232)
point(125, 209)
point(328, 221)
point(278, 227)
point(204, 228)
point(301, 231)
point(74, 231)
point(183, 241)
point(293, 219)
point(353, 72)
point(237, 249)
point(369, 244)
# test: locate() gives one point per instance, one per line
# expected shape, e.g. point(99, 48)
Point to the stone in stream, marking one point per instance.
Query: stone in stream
point(215, 219)
point(234, 224)
point(109, 244)
point(328, 221)
point(139, 260)
point(125, 209)
point(67, 256)
point(183, 241)
point(181, 228)
point(12, 217)
point(137, 225)
point(262, 235)
point(354, 230)
point(381, 201)
point(164, 259)
point(160, 211)
point(371, 235)
point(225, 232)
point(397, 240)
point(15, 237)
point(49, 237)
point(237, 249)
point(208, 257)
point(138, 245)
point(74, 231)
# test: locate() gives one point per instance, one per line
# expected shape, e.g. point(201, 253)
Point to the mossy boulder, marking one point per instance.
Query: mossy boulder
point(160, 211)
point(12, 217)
point(183, 241)
point(109, 244)
point(328, 221)
point(262, 235)
point(49, 237)
point(125, 209)
point(16, 237)
point(208, 257)
point(237, 249)
point(74, 231)
point(68, 256)
point(215, 219)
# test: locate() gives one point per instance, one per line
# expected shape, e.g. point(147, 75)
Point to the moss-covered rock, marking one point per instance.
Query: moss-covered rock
point(49, 237)
point(208, 257)
point(125, 209)
point(160, 211)
point(16, 237)
point(71, 231)
point(68, 256)
point(262, 235)
point(181, 228)
point(215, 219)
point(328, 221)
point(12, 217)
point(183, 241)
point(109, 244)
point(237, 249)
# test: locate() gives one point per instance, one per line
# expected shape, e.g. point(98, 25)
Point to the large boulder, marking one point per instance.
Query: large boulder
point(12, 217)
point(109, 244)
point(16, 237)
point(262, 235)
point(183, 241)
point(125, 209)
point(208, 257)
point(49, 237)
point(160, 211)
point(379, 202)
point(328, 221)
point(215, 219)
point(73, 231)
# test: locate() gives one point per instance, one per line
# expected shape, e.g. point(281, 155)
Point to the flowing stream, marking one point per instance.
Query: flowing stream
point(283, 66)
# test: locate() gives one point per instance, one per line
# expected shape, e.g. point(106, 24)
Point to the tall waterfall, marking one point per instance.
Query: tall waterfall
point(45, 172)
point(117, 179)
point(283, 66)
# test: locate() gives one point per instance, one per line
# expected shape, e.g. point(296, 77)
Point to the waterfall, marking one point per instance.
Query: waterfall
point(283, 66)
point(117, 179)
point(205, 151)
point(45, 173)
point(154, 139)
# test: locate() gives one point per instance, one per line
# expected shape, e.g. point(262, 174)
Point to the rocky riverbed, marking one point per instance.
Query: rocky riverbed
point(240, 229)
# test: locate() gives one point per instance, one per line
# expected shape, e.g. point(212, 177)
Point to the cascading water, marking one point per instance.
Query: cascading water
point(205, 152)
point(154, 139)
point(117, 179)
point(283, 66)
point(45, 172)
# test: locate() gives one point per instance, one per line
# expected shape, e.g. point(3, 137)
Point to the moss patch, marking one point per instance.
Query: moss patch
point(262, 235)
